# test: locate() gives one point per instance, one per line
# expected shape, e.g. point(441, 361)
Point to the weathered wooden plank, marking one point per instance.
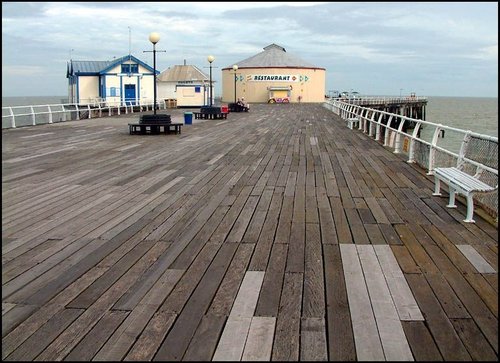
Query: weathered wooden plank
point(476, 259)
point(94, 340)
point(451, 304)
point(422, 343)
point(474, 340)
point(366, 335)
point(232, 341)
point(341, 225)
point(286, 340)
point(313, 345)
point(150, 339)
point(177, 340)
point(125, 336)
point(14, 316)
point(269, 298)
point(70, 337)
point(404, 259)
point(402, 296)
point(226, 294)
point(341, 345)
point(259, 342)
point(40, 339)
point(447, 340)
point(391, 332)
point(205, 339)
point(313, 305)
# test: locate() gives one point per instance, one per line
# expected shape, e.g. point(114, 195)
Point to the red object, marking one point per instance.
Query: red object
point(224, 109)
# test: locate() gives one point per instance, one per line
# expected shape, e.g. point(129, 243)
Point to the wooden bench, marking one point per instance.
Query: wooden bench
point(154, 129)
point(158, 119)
point(210, 116)
point(236, 107)
point(461, 182)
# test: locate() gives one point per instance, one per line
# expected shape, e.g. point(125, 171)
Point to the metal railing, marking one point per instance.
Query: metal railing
point(432, 149)
point(14, 116)
point(382, 100)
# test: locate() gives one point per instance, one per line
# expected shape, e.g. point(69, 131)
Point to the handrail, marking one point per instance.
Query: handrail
point(36, 112)
point(381, 100)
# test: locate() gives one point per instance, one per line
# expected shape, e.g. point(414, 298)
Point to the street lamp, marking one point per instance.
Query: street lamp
point(235, 68)
point(154, 38)
point(210, 59)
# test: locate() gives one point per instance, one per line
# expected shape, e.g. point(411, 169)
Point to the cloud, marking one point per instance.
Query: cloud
point(357, 42)
point(22, 70)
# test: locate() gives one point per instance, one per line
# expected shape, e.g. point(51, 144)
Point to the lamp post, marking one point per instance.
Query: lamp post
point(210, 59)
point(154, 38)
point(235, 68)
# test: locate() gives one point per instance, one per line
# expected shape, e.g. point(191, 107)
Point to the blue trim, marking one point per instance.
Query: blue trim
point(77, 89)
point(104, 87)
point(139, 88)
point(122, 91)
point(124, 59)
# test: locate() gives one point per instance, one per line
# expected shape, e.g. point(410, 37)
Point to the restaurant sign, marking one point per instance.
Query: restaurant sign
point(272, 78)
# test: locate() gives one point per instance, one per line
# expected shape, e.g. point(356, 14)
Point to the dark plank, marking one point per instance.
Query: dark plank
point(340, 335)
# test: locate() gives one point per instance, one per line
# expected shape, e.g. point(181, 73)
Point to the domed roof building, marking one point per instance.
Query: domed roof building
point(273, 76)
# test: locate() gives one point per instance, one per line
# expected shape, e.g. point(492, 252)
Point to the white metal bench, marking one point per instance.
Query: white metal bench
point(460, 182)
point(352, 122)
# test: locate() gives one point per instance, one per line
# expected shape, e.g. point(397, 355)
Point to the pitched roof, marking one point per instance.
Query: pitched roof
point(101, 67)
point(274, 56)
point(182, 73)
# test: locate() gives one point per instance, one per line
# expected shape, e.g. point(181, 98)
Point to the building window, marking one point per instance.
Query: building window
point(197, 89)
point(130, 68)
point(112, 92)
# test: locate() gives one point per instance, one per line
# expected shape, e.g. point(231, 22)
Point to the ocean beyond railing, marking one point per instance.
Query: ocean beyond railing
point(31, 115)
point(403, 134)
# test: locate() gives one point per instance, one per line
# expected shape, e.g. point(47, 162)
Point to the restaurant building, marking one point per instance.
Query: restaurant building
point(273, 76)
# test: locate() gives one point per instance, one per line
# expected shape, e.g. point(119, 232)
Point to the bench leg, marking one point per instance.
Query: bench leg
point(451, 202)
point(470, 209)
point(437, 186)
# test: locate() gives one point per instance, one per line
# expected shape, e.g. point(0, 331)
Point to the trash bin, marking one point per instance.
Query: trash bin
point(188, 118)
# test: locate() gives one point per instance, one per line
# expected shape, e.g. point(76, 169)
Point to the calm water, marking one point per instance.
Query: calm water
point(469, 113)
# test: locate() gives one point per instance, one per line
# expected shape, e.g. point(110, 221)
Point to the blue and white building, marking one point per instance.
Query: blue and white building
point(118, 81)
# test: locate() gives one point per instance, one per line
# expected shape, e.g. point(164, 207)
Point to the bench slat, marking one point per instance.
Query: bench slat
point(462, 179)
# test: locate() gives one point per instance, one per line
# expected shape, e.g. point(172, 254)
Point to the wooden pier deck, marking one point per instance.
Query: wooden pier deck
point(278, 234)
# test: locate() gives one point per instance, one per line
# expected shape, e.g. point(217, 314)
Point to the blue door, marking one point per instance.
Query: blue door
point(130, 94)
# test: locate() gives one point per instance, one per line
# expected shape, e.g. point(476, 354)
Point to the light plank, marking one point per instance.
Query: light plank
point(481, 265)
point(366, 336)
point(401, 294)
point(391, 332)
point(232, 341)
point(259, 342)
point(246, 300)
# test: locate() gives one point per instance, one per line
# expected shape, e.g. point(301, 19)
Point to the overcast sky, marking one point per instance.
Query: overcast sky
point(374, 48)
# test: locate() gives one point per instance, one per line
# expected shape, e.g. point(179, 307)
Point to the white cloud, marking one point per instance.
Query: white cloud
point(22, 70)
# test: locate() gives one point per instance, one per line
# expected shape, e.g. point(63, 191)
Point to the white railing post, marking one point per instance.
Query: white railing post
point(432, 150)
point(33, 115)
point(377, 129)
point(100, 109)
point(387, 131)
point(13, 121)
point(411, 152)
point(397, 142)
point(90, 111)
point(77, 112)
point(50, 114)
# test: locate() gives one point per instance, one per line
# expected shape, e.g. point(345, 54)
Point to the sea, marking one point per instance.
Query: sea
point(477, 114)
